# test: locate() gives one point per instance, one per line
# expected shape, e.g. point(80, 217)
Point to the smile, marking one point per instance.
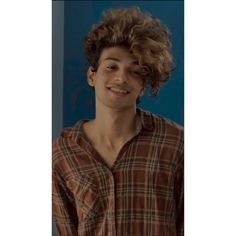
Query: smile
point(118, 90)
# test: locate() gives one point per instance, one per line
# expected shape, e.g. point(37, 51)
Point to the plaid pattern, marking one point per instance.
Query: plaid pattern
point(142, 194)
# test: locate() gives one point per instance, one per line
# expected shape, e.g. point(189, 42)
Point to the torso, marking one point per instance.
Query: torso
point(108, 154)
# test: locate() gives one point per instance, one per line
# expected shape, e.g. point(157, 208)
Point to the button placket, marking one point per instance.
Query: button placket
point(112, 207)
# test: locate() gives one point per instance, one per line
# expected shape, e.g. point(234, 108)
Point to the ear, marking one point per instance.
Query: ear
point(90, 76)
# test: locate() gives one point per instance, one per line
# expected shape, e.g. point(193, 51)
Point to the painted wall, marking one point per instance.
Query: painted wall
point(78, 101)
point(57, 66)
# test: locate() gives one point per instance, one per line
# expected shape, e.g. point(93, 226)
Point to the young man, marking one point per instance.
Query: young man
point(121, 174)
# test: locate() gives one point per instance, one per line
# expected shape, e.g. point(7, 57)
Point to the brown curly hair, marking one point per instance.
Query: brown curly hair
point(142, 34)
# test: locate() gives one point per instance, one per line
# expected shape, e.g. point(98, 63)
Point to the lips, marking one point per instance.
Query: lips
point(118, 90)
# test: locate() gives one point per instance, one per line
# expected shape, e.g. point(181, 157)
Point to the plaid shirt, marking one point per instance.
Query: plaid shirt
point(142, 194)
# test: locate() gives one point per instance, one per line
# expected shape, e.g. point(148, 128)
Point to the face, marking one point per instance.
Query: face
point(117, 81)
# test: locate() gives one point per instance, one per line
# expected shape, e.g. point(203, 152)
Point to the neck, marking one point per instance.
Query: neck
point(115, 126)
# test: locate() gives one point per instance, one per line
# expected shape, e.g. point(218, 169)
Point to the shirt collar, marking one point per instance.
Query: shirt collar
point(146, 119)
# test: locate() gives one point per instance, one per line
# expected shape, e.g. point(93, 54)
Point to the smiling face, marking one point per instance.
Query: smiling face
point(117, 81)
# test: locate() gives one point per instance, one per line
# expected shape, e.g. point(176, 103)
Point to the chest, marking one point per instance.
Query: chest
point(109, 155)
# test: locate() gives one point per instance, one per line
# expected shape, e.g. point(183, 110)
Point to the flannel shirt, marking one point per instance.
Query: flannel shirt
point(140, 195)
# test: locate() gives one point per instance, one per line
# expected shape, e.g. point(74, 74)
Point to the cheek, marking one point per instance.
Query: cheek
point(139, 86)
point(139, 81)
point(101, 77)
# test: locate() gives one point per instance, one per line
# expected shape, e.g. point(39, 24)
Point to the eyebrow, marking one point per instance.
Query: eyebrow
point(112, 58)
point(135, 62)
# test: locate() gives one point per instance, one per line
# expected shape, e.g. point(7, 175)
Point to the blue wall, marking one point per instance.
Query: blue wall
point(79, 16)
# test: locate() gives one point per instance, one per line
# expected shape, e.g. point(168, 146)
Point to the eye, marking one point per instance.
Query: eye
point(136, 72)
point(111, 67)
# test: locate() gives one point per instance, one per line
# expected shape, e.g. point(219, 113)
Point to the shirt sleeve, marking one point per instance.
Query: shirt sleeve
point(63, 207)
point(179, 198)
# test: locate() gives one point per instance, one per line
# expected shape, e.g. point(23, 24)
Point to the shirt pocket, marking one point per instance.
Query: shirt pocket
point(85, 196)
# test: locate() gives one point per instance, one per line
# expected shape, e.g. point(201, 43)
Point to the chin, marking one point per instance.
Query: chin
point(122, 106)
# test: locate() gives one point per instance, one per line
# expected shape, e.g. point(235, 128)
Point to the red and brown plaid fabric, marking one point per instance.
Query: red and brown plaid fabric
point(141, 195)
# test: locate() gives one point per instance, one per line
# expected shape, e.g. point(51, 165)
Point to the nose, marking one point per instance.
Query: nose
point(121, 77)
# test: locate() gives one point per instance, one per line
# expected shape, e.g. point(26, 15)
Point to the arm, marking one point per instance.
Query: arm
point(63, 207)
point(179, 198)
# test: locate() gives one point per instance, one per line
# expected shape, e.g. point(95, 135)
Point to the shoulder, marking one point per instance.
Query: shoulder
point(160, 124)
point(170, 136)
point(172, 132)
point(163, 131)
point(62, 139)
point(163, 124)
point(63, 145)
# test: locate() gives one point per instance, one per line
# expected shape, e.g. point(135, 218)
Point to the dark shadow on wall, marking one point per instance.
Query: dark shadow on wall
point(57, 71)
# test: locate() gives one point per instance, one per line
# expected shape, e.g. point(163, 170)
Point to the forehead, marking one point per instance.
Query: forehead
point(119, 54)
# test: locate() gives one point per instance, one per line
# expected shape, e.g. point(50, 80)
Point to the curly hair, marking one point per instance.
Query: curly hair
point(145, 36)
